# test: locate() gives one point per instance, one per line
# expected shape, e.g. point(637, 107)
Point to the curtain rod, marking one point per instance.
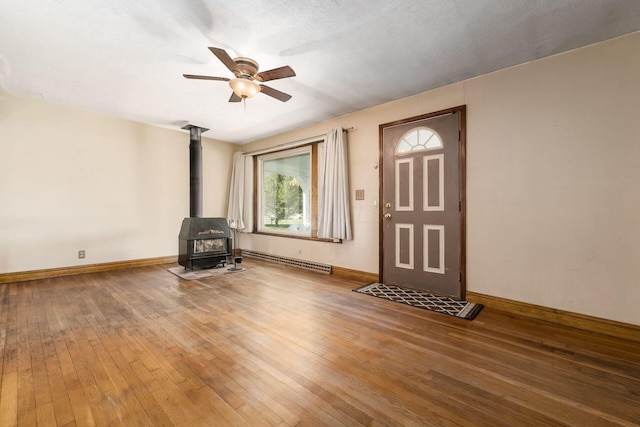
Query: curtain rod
point(291, 144)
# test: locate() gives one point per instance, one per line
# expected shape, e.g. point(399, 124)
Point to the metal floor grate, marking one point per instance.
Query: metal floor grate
point(299, 263)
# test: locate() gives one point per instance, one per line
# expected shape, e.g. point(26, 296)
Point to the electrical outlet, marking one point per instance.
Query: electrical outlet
point(81, 254)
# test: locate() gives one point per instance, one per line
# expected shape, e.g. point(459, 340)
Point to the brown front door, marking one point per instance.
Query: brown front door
point(422, 224)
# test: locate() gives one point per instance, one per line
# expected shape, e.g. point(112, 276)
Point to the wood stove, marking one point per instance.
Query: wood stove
point(204, 242)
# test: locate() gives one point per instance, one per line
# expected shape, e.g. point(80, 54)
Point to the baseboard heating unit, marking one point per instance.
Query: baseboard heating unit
point(299, 263)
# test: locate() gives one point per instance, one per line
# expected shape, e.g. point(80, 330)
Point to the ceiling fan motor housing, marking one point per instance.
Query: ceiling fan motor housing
point(247, 67)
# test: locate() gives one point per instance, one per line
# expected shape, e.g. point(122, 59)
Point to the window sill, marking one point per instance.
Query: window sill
point(293, 236)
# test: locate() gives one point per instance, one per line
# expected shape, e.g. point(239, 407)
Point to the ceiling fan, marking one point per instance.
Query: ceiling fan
point(247, 81)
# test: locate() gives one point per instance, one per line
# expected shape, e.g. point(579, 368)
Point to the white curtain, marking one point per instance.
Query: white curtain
point(236, 193)
point(248, 194)
point(334, 213)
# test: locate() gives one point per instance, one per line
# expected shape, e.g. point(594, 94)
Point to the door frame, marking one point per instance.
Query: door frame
point(462, 175)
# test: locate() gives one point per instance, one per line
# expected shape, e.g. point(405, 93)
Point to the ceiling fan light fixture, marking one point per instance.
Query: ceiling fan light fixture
point(244, 88)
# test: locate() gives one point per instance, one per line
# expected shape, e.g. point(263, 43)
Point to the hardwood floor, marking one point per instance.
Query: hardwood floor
point(276, 346)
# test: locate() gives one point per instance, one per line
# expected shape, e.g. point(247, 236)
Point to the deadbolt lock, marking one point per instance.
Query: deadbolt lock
point(387, 205)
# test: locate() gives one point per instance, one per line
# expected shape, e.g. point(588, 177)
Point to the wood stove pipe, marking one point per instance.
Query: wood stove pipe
point(195, 170)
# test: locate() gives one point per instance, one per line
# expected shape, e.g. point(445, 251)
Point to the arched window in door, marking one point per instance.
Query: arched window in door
point(418, 139)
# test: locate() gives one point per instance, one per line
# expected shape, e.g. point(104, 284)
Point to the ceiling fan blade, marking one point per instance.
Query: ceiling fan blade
point(234, 98)
point(225, 58)
point(276, 73)
point(274, 93)
point(193, 76)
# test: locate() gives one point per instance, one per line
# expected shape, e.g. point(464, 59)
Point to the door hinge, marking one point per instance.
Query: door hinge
point(459, 205)
point(459, 136)
point(460, 277)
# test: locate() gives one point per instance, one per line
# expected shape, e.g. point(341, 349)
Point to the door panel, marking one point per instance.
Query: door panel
point(404, 193)
point(422, 225)
point(433, 184)
point(404, 255)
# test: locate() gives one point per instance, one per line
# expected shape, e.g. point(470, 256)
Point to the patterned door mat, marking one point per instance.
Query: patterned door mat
point(441, 304)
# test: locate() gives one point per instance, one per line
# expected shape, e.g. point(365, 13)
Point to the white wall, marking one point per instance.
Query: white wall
point(553, 175)
point(72, 180)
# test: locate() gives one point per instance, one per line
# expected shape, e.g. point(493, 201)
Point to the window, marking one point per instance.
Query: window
point(285, 197)
point(418, 139)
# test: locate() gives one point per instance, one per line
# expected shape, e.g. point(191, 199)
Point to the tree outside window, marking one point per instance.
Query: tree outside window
point(285, 192)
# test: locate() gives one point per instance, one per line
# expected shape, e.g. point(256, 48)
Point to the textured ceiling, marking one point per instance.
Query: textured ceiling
point(126, 58)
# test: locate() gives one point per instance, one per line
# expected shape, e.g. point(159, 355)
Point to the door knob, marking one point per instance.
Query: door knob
point(387, 216)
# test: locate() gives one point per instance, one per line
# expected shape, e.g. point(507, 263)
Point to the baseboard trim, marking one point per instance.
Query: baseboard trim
point(24, 276)
point(567, 318)
point(360, 276)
